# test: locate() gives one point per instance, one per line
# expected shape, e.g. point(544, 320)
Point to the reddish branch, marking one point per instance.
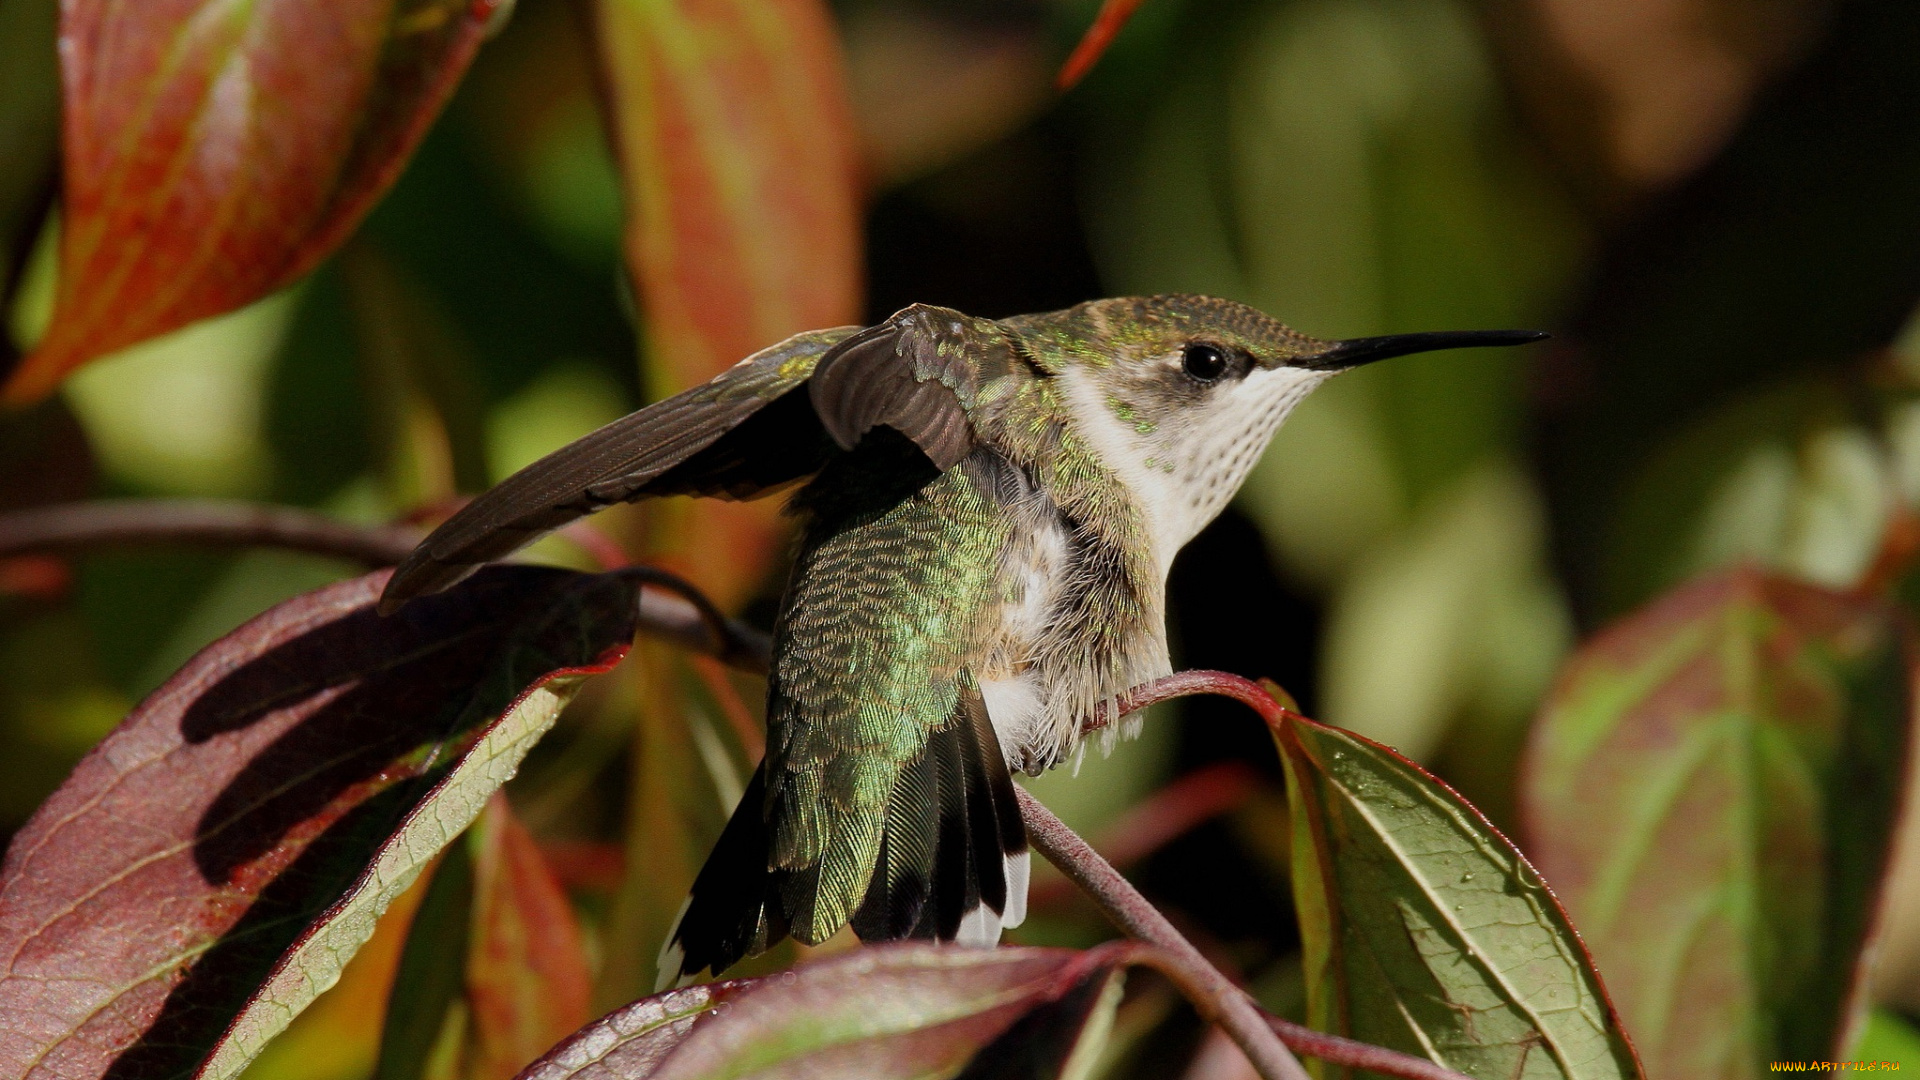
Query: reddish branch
point(201, 521)
point(1214, 996)
point(1106, 26)
point(1161, 818)
point(683, 614)
point(1264, 1038)
point(670, 608)
point(1188, 683)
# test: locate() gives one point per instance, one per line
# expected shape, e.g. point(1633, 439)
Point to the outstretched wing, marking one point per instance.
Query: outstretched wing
point(748, 431)
point(666, 448)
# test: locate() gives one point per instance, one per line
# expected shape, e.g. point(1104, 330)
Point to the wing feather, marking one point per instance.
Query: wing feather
point(749, 431)
point(921, 373)
point(741, 434)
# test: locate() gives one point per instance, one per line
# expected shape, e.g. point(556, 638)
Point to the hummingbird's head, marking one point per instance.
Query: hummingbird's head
point(1180, 394)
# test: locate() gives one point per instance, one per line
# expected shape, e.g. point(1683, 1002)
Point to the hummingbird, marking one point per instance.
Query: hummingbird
point(989, 510)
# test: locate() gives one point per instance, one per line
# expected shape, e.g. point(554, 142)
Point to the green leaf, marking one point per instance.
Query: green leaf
point(1713, 788)
point(432, 970)
point(1426, 931)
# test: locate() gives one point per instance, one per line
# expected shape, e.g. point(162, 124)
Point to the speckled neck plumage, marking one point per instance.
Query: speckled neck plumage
point(1110, 485)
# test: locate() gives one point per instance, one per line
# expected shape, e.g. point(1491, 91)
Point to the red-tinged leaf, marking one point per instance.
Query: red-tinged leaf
point(737, 150)
point(1713, 786)
point(1093, 45)
point(342, 1028)
point(736, 146)
point(528, 985)
point(215, 151)
point(206, 870)
point(738, 159)
point(588, 866)
point(890, 1011)
point(1424, 929)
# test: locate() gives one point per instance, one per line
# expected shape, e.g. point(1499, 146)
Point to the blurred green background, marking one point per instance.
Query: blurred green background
point(1714, 204)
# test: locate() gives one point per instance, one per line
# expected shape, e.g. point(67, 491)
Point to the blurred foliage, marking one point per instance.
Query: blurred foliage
point(1712, 204)
point(29, 130)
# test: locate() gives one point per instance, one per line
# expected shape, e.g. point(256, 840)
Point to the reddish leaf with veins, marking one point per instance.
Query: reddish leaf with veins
point(208, 868)
point(1713, 788)
point(898, 1010)
point(743, 191)
point(216, 151)
point(527, 977)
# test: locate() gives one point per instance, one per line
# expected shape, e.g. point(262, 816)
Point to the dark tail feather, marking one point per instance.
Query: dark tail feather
point(971, 880)
point(727, 916)
point(903, 876)
point(1010, 841)
point(952, 863)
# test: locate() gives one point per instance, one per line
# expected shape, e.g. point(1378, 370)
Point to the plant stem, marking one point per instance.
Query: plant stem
point(1187, 683)
point(1214, 996)
point(201, 521)
point(1159, 819)
point(1357, 1055)
point(1138, 917)
point(684, 614)
point(670, 608)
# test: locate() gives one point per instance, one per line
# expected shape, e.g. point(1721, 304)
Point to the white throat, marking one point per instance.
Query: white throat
point(1183, 474)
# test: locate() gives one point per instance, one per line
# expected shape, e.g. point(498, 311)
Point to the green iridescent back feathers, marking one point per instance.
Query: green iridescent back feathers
point(870, 653)
point(889, 613)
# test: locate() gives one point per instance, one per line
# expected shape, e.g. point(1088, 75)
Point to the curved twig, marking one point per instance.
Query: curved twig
point(727, 640)
point(1263, 1037)
point(1214, 996)
point(201, 521)
point(1186, 684)
point(672, 608)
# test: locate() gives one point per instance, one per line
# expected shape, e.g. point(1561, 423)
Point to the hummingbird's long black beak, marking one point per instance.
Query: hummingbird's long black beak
point(1357, 351)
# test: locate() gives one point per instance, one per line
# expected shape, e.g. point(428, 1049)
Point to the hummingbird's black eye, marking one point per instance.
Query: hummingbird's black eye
point(1203, 361)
